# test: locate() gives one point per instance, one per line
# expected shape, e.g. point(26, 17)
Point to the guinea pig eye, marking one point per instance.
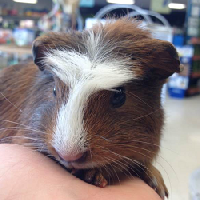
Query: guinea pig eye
point(118, 98)
point(54, 91)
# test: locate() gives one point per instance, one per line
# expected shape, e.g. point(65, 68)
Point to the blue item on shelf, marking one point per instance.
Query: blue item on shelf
point(177, 86)
point(178, 83)
point(178, 40)
point(23, 36)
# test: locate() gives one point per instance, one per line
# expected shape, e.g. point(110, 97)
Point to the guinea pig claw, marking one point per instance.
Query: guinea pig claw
point(101, 181)
point(90, 175)
point(95, 177)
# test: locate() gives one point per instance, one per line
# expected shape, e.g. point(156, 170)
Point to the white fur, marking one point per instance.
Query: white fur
point(84, 74)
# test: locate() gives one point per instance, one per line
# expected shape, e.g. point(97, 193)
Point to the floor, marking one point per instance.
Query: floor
point(180, 147)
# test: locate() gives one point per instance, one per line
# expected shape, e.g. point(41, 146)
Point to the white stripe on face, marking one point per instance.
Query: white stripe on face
point(83, 76)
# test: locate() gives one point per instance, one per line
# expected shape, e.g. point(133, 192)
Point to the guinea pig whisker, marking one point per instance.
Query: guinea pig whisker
point(134, 146)
point(44, 151)
point(151, 144)
point(137, 118)
point(12, 122)
point(115, 161)
point(104, 138)
point(126, 166)
point(34, 145)
point(20, 137)
point(23, 125)
point(41, 148)
point(149, 152)
point(90, 153)
point(108, 172)
point(10, 102)
point(114, 153)
point(114, 171)
point(107, 169)
point(140, 99)
point(139, 164)
point(115, 164)
point(142, 168)
point(106, 149)
point(24, 137)
point(126, 158)
point(158, 164)
point(167, 175)
point(22, 129)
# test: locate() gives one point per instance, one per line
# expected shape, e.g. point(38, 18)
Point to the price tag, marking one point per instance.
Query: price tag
point(87, 3)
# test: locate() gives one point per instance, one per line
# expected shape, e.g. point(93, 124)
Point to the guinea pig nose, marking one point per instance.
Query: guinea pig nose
point(70, 158)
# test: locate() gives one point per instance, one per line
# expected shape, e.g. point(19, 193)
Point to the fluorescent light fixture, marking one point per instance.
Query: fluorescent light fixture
point(26, 1)
point(176, 5)
point(121, 1)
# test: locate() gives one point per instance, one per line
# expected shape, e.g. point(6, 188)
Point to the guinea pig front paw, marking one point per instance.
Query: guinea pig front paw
point(95, 177)
point(160, 189)
point(154, 180)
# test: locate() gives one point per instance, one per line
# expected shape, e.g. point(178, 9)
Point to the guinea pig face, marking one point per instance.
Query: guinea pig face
point(81, 117)
point(107, 93)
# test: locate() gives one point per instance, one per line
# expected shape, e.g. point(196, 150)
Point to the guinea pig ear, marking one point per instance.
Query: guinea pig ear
point(38, 53)
point(158, 58)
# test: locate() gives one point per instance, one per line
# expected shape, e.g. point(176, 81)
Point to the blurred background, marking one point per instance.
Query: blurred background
point(177, 21)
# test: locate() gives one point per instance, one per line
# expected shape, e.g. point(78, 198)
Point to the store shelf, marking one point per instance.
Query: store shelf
point(193, 91)
point(195, 75)
point(195, 41)
point(15, 49)
point(17, 18)
point(196, 58)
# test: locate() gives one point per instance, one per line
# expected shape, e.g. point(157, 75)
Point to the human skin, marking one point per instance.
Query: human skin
point(27, 175)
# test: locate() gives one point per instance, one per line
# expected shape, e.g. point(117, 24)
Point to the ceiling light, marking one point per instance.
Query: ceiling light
point(176, 5)
point(121, 1)
point(26, 1)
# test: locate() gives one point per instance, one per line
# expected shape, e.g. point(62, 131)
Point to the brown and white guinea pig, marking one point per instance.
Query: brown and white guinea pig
point(92, 102)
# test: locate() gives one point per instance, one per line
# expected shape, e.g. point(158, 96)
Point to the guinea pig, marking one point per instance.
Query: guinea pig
point(91, 101)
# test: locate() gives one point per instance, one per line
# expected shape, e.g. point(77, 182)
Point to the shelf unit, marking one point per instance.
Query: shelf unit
point(188, 83)
point(14, 49)
point(194, 74)
point(18, 18)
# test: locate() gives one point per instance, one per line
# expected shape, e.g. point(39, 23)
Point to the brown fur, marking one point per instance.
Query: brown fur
point(121, 139)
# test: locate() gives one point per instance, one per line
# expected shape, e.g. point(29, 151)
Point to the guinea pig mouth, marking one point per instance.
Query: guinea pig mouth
point(76, 165)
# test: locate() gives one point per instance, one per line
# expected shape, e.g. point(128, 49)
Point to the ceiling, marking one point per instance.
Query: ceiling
point(47, 3)
point(141, 3)
point(9, 4)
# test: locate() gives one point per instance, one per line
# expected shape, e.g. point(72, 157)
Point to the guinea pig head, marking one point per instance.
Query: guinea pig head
point(107, 86)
